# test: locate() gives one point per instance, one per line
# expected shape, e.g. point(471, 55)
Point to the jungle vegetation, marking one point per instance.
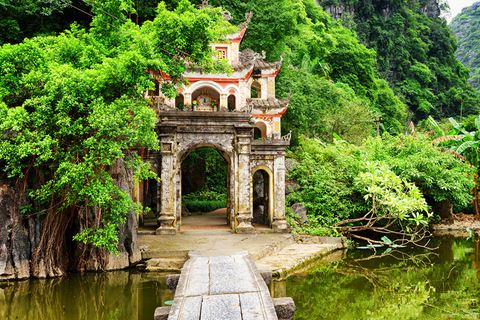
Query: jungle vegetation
point(465, 26)
point(415, 53)
point(71, 101)
point(71, 106)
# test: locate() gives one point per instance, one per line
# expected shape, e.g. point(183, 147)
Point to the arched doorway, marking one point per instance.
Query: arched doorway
point(260, 130)
point(204, 189)
point(262, 186)
point(179, 102)
point(232, 103)
point(256, 90)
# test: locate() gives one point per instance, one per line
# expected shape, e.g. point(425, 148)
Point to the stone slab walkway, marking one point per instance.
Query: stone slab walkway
point(225, 287)
point(280, 253)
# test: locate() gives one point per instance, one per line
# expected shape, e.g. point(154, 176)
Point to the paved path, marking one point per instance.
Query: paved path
point(225, 287)
point(213, 220)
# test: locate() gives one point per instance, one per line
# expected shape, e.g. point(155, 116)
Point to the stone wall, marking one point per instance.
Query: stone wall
point(20, 234)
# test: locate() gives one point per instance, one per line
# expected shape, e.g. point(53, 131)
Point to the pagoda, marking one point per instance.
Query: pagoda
point(238, 115)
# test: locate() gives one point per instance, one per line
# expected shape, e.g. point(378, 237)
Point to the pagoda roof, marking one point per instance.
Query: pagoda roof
point(263, 65)
point(269, 107)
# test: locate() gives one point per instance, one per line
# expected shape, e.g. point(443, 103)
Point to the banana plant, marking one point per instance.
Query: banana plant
point(467, 145)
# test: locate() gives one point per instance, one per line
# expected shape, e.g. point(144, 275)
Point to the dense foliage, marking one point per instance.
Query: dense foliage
point(330, 175)
point(321, 108)
point(311, 40)
point(73, 105)
point(465, 26)
point(25, 19)
point(415, 53)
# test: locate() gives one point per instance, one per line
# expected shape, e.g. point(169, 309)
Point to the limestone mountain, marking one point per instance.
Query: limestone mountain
point(415, 52)
point(466, 27)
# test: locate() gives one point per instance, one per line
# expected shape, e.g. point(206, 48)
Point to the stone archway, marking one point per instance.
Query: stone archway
point(228, 132)
point(263, 196)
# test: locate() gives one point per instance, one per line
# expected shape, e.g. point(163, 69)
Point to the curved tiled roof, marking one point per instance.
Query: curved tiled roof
point(263, 104)
point(262, 65)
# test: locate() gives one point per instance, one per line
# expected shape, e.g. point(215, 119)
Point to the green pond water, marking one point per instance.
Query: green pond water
point(407, 285)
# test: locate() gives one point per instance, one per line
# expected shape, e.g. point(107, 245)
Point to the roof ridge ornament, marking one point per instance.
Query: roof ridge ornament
point(248, 56)
point(204, 5)
point(227, 15)
point(248, 18)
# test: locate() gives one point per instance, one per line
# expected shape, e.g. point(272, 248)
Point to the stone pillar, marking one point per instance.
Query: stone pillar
point(279, 222)
point(187, 98)
point(223, 102)
point(167, 219)
point(244, 174)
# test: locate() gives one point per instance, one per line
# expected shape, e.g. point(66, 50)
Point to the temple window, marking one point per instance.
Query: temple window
point(256, 90)
point(260, 131)
point(221, 53)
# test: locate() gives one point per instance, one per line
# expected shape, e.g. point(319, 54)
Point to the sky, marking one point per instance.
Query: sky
point(456, 7)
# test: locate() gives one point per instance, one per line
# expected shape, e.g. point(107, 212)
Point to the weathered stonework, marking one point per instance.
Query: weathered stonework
point(231, 134)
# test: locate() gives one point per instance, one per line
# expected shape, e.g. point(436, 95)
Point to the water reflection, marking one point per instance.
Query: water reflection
point(421, 285)
point(112, 295)
point(406, 285)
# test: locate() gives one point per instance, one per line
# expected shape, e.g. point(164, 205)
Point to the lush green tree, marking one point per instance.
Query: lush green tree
point(440, 176)
point(73, 105)
point(319, 107)
point(23, 19)
point(325, 174)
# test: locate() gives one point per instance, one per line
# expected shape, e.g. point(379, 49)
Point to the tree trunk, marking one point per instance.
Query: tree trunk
point(41, 245)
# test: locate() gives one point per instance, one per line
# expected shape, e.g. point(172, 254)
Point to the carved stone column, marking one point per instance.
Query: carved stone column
point(187, 98)
point(223, 102)
point(279, 223)
point(167, 219)
point(244, 174)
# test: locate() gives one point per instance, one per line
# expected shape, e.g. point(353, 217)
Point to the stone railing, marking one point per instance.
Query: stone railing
point(287, 137)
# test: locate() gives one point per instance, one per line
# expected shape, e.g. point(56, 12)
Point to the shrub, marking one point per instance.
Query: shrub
point(204, 206)
point(326, 174)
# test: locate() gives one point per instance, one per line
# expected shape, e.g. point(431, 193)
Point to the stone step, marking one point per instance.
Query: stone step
point(165, 264)
point(293, 256)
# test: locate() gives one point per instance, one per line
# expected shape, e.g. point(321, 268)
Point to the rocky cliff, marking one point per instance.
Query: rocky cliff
point(22, 231)
point(415, 52)
point(466, 27)
point(386, 9)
